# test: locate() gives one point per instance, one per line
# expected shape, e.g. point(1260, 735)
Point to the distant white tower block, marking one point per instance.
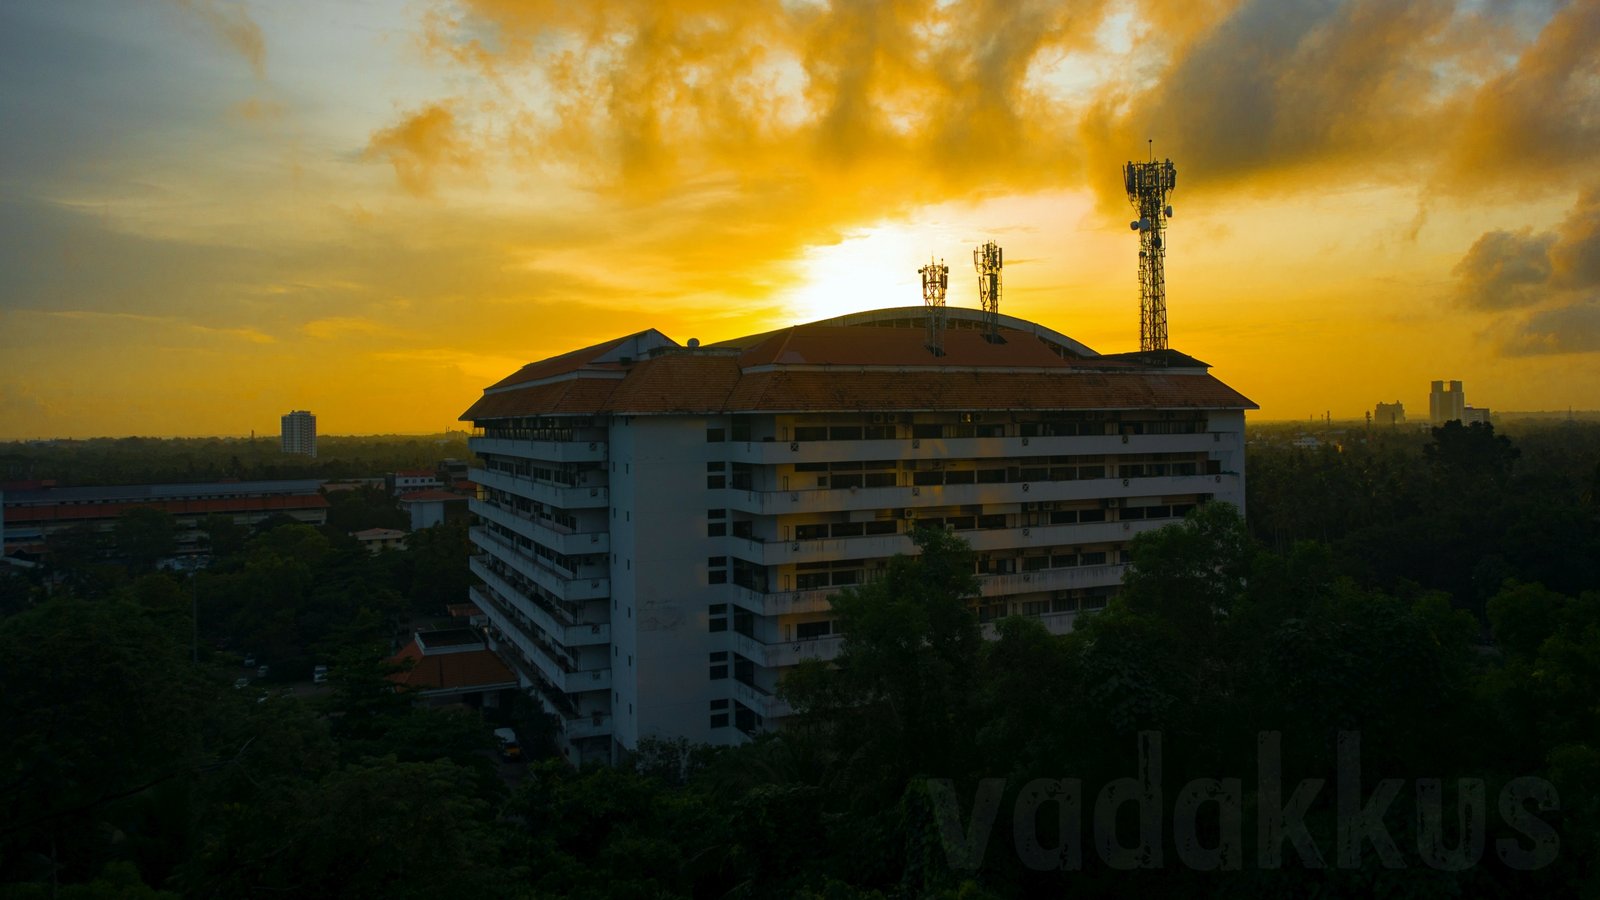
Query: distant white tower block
point(299, 433)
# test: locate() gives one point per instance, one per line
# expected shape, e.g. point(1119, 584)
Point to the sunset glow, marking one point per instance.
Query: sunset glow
point(215, 211)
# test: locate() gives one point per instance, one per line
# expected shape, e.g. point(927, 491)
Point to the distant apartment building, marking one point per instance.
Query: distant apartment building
point(658, 528)
point(1389, 414)
point(299, 433)
point(1447, 402)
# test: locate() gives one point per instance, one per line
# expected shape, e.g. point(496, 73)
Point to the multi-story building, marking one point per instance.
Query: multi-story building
point(659, 528)
point(299, 433)
point(1446, 404)
point(1390, 414)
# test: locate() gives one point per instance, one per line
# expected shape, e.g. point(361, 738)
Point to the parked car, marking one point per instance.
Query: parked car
point(241, 683)
point(319, 674)
point(249, 660)
point(510, 750)
point(261, 672)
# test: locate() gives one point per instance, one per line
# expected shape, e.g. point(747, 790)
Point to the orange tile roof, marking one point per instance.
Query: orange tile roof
point(568, 362)
point(450, 671)
point(818, 368)
point(89, 511)
point(844, 345)
point(574, 396)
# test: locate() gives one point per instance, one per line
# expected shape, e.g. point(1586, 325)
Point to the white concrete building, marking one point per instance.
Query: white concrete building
point(658, 528)
point(298, 433)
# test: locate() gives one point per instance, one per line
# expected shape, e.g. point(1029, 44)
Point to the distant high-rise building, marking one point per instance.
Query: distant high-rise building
point(1446, 405)
point(1389, 414)
point(299, 433)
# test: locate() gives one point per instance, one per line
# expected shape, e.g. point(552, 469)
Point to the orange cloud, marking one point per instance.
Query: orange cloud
point(420, 145)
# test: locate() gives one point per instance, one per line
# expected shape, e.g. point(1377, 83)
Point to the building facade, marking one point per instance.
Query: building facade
point(658, 528)
point(1390, 414)
point(298, 433)
point(1446, 404)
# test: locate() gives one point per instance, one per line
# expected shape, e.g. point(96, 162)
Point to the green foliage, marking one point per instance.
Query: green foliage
point(144, 535)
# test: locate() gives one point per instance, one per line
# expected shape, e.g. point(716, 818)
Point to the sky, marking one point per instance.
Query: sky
point(215, 211)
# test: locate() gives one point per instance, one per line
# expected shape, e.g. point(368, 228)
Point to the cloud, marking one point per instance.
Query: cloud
point(232, 22)
point(335, 327)
point(420, 145)
point(1505, 269)
point(1553, 274)
point(1577, 256)
point(1538, 120)
point(1573, 328)
point(245, 334)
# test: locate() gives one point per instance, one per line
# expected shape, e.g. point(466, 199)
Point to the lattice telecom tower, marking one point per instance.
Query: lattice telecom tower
point(935, 281)
point(1149, 187)
point(987, 260)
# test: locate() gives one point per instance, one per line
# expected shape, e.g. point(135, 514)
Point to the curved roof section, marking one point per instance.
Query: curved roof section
point(893, 315)
point(873, 360)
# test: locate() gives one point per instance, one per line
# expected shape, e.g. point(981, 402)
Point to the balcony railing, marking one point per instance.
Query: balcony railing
point(560, 619)
point(564, 583)
point(565, 497)
point(577, 450)
point(781, 502)
point(567, 542)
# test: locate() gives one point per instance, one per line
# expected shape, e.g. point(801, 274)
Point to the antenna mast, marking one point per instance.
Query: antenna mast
point(935, 281)
point(1149, 187)
point(987, 260)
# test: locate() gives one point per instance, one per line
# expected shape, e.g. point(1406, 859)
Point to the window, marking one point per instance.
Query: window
point(719, 666)
point(719, 713)
point(714, 475)
point(717, 616)
point(715, 435)
point(811, 433)
point(810, 631)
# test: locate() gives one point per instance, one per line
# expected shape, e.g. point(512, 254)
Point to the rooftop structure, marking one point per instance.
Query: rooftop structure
point(658, 528)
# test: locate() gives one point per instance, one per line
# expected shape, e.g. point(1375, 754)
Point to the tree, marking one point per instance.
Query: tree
point(145, 535)
point(1190, 573)
point(908, 663)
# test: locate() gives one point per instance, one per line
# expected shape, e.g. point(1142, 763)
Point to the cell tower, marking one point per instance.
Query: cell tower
point(1149, 187)
point(987, 260)
point(935, 281)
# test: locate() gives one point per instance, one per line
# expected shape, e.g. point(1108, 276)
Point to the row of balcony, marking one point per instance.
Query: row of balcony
point(567, 543)
point(777, 452)
point(776, 503)
point(566, 584)
point(577, 497)
point(550, 664)
point(574, 725)
point(777, 553)
point(557, 622)
point(781, 603)
point(785, 653)
point(553, 451)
